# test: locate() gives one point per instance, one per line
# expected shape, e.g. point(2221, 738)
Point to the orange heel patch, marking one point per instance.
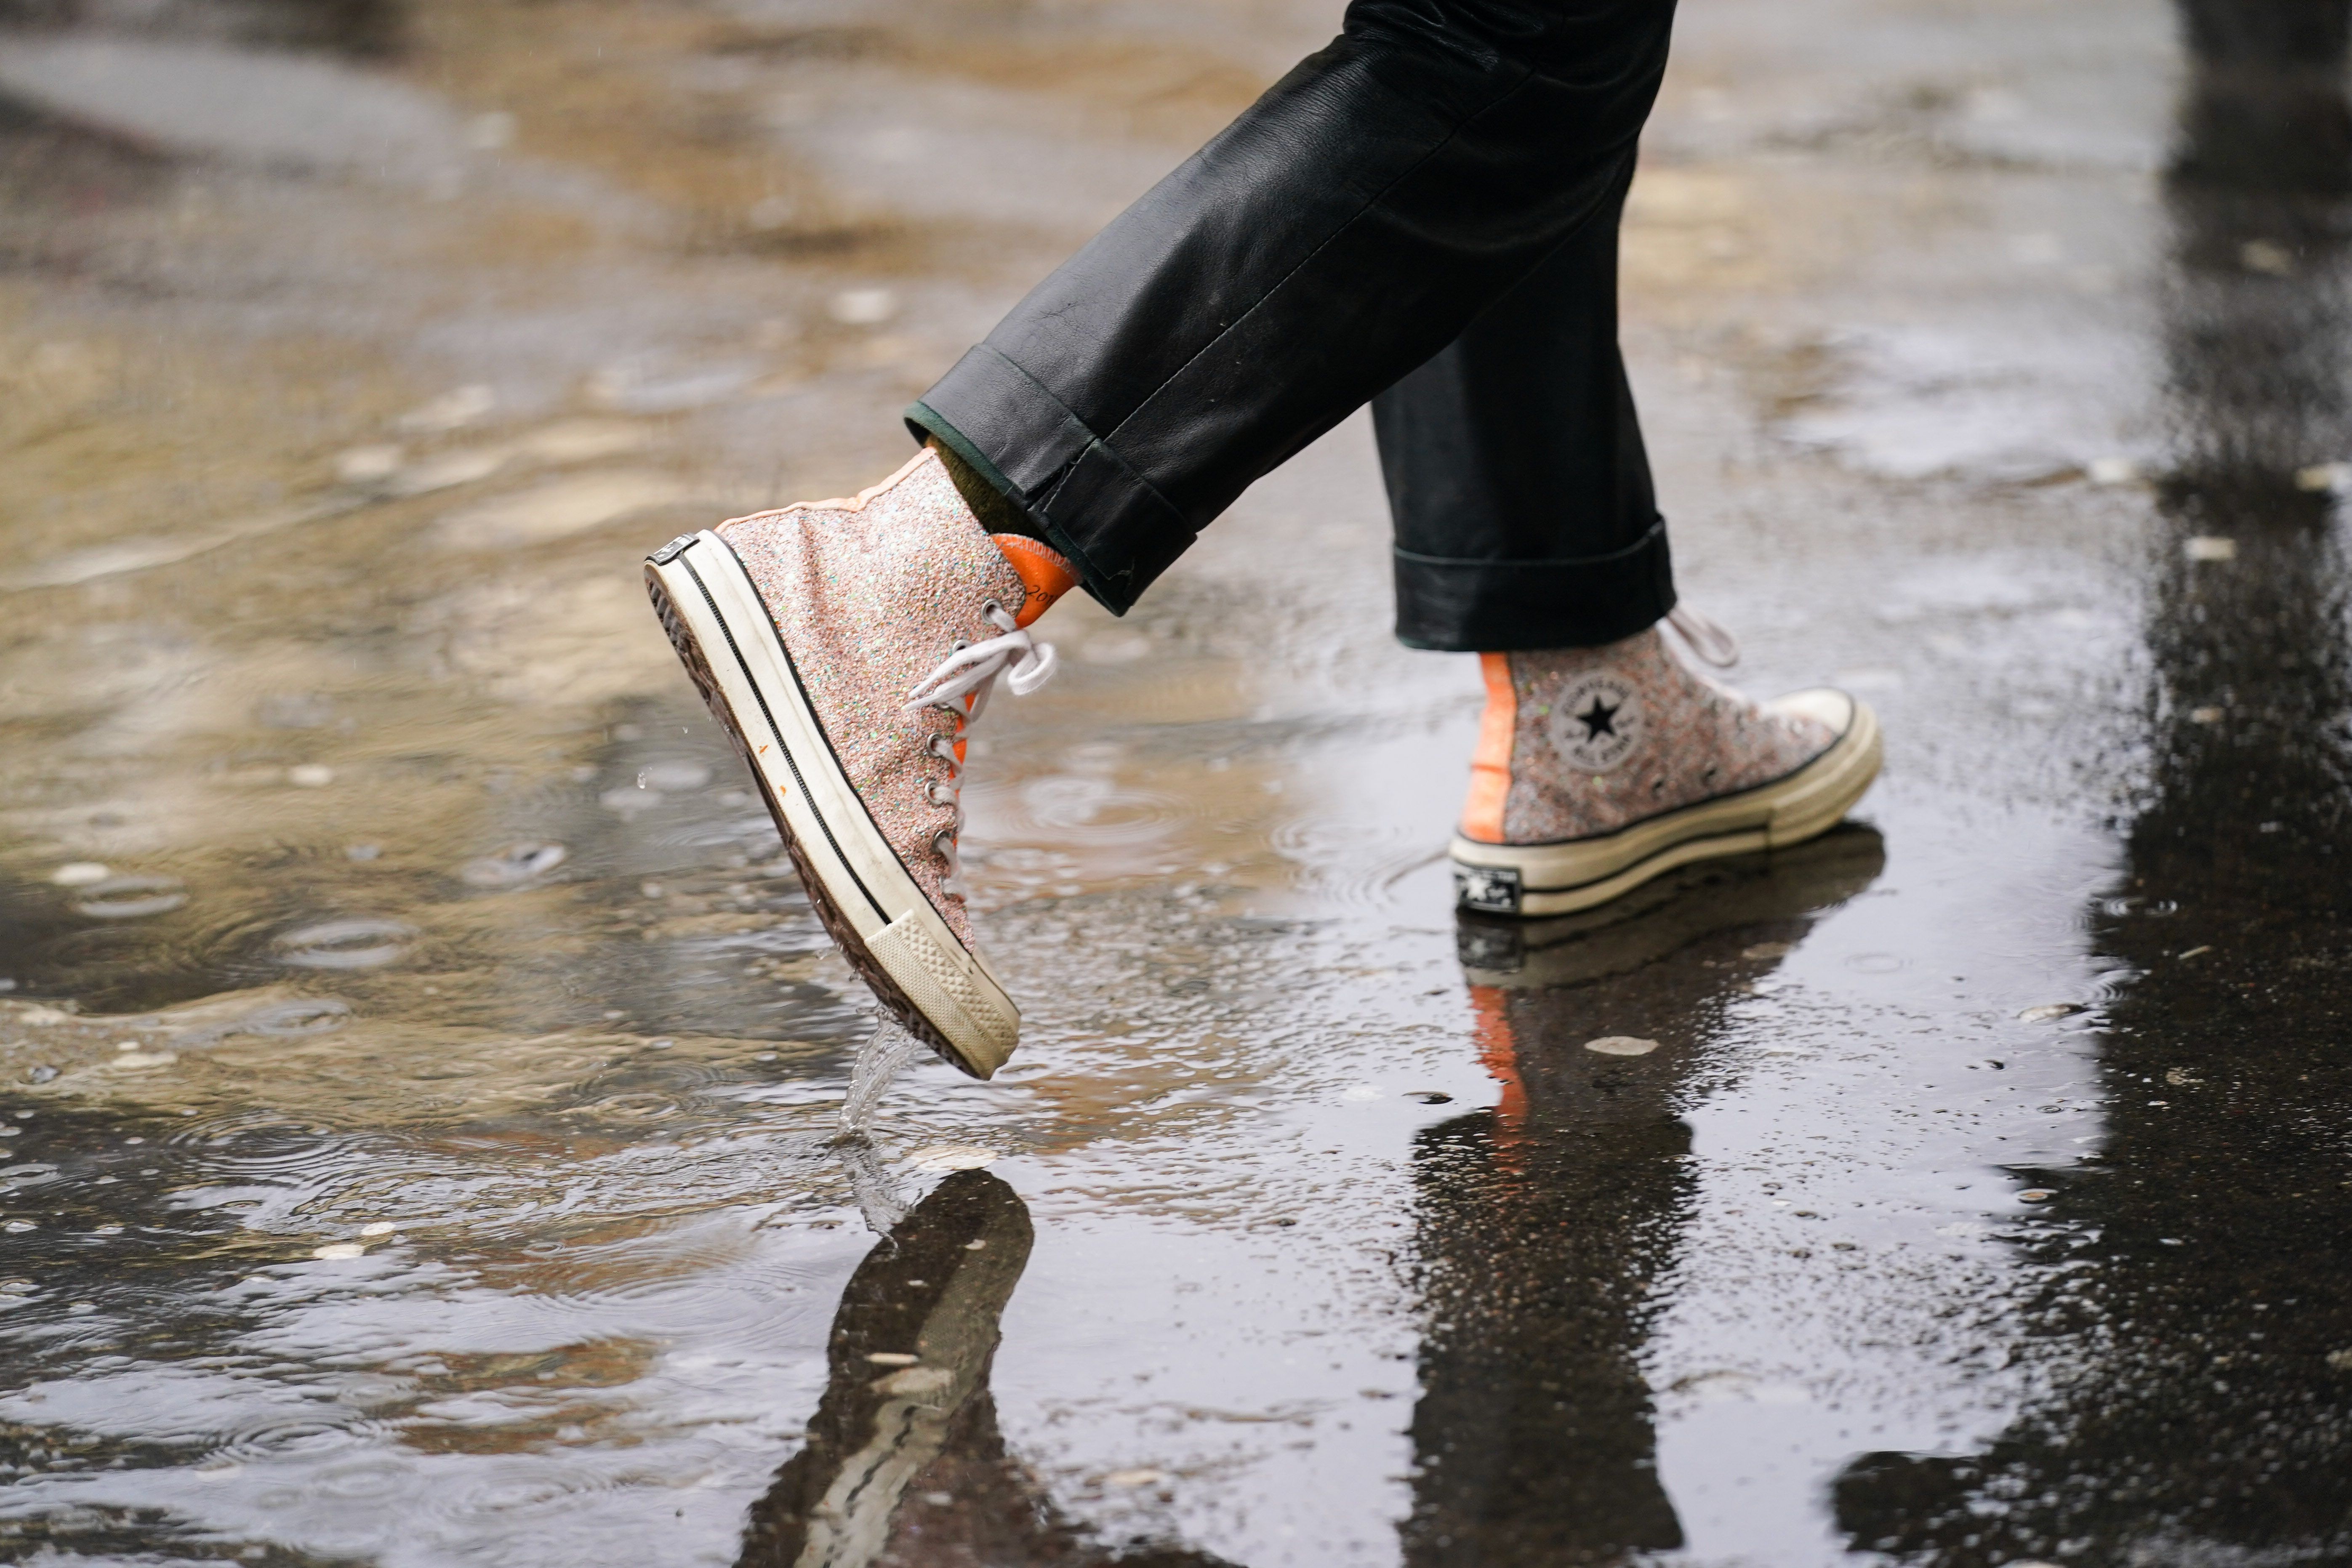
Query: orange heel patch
point(1044, 571)
point(1490, 765)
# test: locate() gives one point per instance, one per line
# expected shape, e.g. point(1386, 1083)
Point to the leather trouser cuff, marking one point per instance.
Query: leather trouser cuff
point(1118, 531)
point(1458, 606)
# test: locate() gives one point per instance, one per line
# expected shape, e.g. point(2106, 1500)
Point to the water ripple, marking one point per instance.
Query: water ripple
point(350, 944)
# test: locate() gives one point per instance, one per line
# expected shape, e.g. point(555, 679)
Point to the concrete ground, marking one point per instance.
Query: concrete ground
point(382, 914)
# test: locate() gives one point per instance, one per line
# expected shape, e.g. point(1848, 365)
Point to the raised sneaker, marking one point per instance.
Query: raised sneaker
point(848, 645)
point(1597, 769)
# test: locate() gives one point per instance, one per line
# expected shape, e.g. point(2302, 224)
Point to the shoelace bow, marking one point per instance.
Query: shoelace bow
point(1706, 639)
point(962, 684)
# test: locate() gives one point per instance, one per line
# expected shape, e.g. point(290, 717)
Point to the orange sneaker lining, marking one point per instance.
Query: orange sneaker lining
point(1490, 765)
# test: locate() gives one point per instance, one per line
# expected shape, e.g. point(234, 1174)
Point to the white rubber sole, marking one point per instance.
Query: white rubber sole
point(1584, 873)
point(941, 992)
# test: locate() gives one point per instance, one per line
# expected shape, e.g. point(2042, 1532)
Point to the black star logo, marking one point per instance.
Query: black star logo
point(1598, 720)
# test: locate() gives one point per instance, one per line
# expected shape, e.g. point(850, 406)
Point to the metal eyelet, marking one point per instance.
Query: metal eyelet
point(990, 607)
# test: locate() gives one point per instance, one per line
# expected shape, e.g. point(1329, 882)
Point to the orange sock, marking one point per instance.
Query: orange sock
point(1044, 571)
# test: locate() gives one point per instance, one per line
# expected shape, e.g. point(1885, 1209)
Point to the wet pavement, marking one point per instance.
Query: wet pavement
point(421, 1071)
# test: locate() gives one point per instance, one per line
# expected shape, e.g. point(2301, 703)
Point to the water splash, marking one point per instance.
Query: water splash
point(878, 1197)
point(886, 1051)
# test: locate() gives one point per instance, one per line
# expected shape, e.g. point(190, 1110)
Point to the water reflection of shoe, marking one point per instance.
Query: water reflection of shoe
point(1598, 768)
point(1670, 913)
point(910, 1350)
point(848, 645)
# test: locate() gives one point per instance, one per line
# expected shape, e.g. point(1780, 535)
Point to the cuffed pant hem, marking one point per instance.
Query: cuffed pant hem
point(1090, 503)
point(1456, 605)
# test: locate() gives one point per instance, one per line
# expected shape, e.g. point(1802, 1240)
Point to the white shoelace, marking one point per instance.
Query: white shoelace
point(1706, 639)
point(961, 685)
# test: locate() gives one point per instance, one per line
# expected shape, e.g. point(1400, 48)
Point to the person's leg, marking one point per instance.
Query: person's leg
point(1528, 531)
point(1525, 516)
point(1342, 231)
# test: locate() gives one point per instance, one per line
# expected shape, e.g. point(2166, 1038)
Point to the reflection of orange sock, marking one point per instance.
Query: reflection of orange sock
point(1498, 1053)
point(1043, 571)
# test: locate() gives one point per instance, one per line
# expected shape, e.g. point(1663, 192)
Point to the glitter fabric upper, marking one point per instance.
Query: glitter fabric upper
point(1607, 736)
point(870, 594)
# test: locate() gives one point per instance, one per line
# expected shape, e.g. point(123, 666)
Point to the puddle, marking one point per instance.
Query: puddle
point(438, 1129)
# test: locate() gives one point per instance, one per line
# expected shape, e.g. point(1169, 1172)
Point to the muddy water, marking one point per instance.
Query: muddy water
point(422, 1076)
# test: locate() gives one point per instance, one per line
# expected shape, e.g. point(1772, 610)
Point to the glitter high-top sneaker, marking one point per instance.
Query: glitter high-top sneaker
point(1598, 768)
point(848, 645)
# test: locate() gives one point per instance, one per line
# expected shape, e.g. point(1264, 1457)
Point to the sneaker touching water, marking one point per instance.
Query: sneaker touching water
point(847, 647)
point(1598, 768)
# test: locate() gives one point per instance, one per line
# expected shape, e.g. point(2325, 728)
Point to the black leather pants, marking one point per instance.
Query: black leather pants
point(1423, 215)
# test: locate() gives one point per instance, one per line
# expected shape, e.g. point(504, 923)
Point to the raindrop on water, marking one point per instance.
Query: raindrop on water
point(675, 778)
point(130, 897)
point(344, 945)
point(514, 865)
point(627, 802)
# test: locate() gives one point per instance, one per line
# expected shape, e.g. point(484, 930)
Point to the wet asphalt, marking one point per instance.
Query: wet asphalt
point(420, 1072)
